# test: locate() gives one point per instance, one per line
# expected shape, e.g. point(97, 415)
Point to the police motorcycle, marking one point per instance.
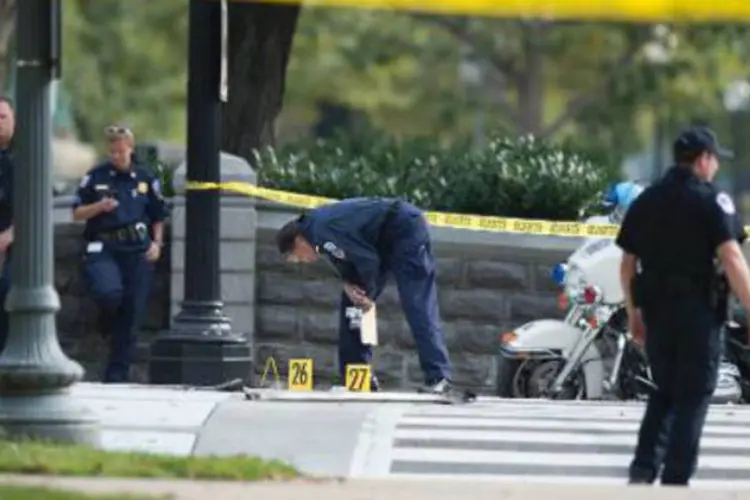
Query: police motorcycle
point(737, 351)
point(588, 354)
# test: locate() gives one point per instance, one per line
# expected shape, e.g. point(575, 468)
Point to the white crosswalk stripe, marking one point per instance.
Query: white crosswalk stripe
point(553, 441)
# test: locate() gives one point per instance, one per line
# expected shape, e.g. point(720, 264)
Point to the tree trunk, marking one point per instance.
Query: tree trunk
point(260, 40)
point(530, 84)
point(7, 30)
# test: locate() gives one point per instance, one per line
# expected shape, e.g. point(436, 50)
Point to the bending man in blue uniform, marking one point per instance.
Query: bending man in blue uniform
point(124, 212)
point(366, 239)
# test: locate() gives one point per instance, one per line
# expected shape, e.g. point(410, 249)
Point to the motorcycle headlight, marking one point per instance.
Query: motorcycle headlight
point(575, 281)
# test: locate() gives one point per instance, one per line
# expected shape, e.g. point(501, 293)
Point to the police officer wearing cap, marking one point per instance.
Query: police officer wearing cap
point(124, 211)
point(7, 129)
point(677, 237)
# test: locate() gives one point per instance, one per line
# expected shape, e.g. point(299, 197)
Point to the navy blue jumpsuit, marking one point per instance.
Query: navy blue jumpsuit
point(115, 268)
point(6, 221)
point(674, 229)
point(367, 239)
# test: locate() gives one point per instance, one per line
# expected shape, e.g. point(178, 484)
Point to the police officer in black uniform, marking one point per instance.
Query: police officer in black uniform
point(7, 129)
point(124, 213)
point(676, 238)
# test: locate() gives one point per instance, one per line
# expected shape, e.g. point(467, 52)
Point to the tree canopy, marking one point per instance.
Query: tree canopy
point(600, 84)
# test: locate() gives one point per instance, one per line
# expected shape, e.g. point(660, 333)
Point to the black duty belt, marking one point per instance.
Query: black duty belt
point(133, 232)
point(677, 284)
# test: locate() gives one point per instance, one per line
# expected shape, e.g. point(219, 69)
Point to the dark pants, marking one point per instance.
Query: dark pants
point(4, 288)
point(683, 349)
point(120, 284)
point(409, 259)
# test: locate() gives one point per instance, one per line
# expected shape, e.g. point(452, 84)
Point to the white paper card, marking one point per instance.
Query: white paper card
point(94, 247)
point(369, 328)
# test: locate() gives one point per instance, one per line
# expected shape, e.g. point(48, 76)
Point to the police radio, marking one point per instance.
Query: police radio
point(111, 192)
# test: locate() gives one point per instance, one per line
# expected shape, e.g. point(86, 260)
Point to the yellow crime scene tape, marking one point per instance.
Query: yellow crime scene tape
point(487, 223)
point(439, 219)
point(579, 10)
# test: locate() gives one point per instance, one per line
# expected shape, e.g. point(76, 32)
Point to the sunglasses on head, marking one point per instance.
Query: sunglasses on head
point(115, 131)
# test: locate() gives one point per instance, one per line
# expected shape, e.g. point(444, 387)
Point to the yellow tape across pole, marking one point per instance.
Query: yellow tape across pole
point(441, 219)
point(602, 10)
point(538, 227)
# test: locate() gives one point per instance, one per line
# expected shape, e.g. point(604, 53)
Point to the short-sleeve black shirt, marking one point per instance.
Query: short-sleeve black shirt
point(676, 225)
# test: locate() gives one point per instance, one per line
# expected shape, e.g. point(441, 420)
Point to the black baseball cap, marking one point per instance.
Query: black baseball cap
point(694, 141)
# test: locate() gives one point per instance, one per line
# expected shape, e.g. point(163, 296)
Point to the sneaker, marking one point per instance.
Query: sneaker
point(442, 387)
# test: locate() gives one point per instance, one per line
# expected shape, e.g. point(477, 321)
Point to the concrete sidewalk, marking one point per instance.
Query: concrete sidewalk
point(317, 438)
point(362, 437)
point(370, 490)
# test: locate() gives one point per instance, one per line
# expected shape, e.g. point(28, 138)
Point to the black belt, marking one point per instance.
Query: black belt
point(677, 285)
point(127, 233)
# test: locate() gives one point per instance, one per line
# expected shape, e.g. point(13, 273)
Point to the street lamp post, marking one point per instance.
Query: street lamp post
point(659, 53)
point(737, 103)
point(34, 372)
point(201, 349)
point(472, 74)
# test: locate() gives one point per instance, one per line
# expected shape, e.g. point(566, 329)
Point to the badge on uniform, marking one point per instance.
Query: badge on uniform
point(142, 188)
point(726, 203)
point(335, 251)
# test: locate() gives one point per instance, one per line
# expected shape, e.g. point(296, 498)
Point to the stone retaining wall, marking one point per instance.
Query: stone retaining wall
point(488, 283)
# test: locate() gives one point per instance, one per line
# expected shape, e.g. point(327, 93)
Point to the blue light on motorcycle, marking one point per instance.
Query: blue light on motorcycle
point(558, 274)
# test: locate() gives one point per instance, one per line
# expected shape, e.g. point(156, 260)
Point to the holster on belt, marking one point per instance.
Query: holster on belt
point(719, 297)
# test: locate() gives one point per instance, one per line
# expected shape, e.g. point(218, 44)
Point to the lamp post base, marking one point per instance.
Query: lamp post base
point(35, 399)
point(59, 417)
point(200, 350)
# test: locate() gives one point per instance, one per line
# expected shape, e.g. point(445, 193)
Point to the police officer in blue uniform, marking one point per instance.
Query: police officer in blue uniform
point(680, 240)
point(7, 129)
point(124, 212)
point(366, 239)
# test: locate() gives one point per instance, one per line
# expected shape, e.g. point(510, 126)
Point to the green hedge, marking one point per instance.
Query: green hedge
point(524, 178)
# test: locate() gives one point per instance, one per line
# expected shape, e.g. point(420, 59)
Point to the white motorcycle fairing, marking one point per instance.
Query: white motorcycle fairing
point(551, 338)
point(599, 261)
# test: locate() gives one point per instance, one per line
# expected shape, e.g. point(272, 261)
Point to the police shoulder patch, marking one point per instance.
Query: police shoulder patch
point(726, 203)
point(85, 181)
point(335, 251)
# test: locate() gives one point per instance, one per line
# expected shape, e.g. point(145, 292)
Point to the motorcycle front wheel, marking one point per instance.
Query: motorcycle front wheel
point(533, 379)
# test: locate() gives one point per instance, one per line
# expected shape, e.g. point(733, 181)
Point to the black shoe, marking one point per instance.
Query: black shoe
point(639, 475)
point(639, 480)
